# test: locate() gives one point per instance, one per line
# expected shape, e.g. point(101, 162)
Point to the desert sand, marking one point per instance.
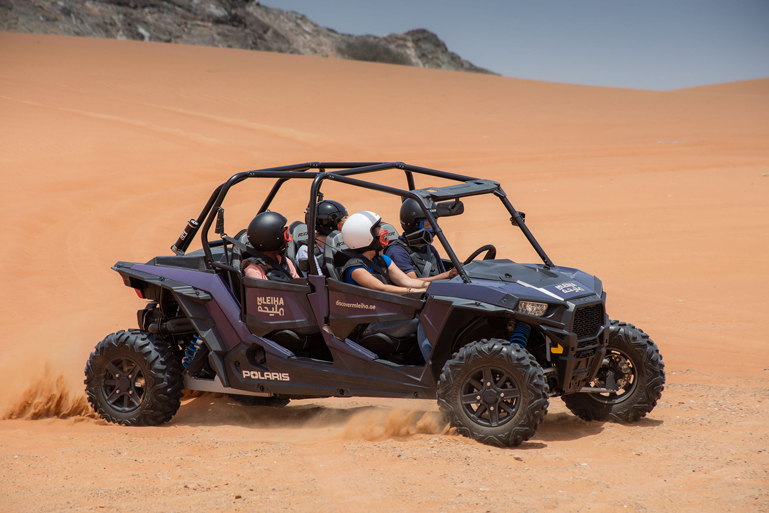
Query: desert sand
point(108, 147)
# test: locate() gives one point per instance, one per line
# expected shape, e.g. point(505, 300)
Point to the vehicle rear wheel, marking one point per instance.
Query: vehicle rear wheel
point(133, 378)
point(252, 400)
point(634, 367)
point(494, 392)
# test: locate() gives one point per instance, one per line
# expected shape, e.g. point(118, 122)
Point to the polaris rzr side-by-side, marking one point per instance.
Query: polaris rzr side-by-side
point(505, 336)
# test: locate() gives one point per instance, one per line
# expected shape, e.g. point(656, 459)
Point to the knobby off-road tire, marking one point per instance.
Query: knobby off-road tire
point(494, 392)
point(133, 378)
point(252, 400)
point(636, 366)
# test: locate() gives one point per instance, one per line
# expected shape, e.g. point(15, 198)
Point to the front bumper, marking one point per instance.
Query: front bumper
point(578, 353)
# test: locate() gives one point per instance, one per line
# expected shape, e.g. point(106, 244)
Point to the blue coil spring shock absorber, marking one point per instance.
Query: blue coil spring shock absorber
point(521, 334)
point(192, 350)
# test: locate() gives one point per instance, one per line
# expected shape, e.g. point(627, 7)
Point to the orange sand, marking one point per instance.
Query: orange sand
point(108, 147)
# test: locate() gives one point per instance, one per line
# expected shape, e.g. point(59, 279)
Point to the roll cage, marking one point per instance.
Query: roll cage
point(343, 172)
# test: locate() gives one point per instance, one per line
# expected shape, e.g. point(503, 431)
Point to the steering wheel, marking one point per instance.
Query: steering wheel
point(490, 250)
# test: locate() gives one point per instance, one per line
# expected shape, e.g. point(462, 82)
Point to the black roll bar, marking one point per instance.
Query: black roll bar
point(518, 220)
point(283, 173)
point(321, 166)
point(381, 188)
point(343, 172)
point(224, 188)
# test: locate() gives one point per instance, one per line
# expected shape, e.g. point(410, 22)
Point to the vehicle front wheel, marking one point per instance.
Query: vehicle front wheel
point(133, 378)
point(494, 392)
point(633, 369)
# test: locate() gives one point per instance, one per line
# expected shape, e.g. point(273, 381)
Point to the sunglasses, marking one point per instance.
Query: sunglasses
point(422, 224)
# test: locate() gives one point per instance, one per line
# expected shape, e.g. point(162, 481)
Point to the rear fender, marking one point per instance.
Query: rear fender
point(190, 299)
point(149, 285)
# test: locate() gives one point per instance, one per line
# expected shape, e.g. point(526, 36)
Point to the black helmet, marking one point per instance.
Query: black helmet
point(268, 232)
point(412, 219)
point(328, 215)
point(412, 215)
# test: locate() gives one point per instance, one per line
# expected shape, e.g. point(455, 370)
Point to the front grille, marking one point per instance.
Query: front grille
point(587, 320)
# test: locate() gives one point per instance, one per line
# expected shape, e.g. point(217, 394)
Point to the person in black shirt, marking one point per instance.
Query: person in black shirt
point(413, 252)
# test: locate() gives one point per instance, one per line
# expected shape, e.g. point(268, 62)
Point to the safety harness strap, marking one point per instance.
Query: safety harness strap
point(274, 270)
point(423, 267)
point(357, 260)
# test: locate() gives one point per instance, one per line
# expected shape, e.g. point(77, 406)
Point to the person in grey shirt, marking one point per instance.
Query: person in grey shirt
point(329, 217)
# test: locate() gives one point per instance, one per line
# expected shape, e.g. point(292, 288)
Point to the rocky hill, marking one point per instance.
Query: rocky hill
point(241, 24)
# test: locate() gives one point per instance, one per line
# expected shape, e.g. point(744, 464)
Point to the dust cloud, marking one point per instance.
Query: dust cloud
point(49, 397)
point(381, 424)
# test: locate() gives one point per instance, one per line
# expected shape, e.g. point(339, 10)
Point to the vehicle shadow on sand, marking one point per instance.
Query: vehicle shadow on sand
point(371, 422)
point(329, 422)
point(218, 411)
point(562, 427)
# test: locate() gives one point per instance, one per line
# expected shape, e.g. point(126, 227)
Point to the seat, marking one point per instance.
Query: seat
point(298, 232)
point(397, 342)
point(307, 343)
point(392, 233)
point(333, 258)
point(235, 278)
point(237, 254)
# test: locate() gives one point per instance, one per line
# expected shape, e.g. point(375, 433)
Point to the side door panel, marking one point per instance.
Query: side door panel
point(350, 305)
point(271, 306)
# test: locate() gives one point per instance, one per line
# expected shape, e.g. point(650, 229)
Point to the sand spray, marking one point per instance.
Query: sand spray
point(48, 397)
point(382, 424)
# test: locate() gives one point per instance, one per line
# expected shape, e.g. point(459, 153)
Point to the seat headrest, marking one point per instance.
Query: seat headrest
point(237, 254)
point(392, 233)
point(299, 232)
point(334, 243)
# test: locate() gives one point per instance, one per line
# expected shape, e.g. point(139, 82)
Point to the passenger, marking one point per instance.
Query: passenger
point(328, 218)
point(363, 234)
point(413, 251)
point(268, 235)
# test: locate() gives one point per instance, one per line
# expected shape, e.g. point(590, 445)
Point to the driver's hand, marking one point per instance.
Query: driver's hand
point(452, 273)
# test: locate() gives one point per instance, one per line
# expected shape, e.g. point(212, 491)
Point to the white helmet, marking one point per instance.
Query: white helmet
point(357, 231)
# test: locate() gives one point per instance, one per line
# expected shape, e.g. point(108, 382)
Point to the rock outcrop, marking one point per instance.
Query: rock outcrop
point(241, 24)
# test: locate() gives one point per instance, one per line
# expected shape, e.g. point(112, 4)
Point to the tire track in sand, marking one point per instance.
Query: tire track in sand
point(291, 134)
point(175, 133)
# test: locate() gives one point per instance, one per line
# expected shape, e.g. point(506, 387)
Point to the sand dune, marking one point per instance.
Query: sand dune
point(759, 87)
point(108, 147)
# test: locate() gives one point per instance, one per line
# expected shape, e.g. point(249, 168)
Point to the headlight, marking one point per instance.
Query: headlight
point(532, 308)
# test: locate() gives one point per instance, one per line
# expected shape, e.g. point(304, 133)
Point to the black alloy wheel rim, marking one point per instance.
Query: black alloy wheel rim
point(617, 368)
point(490, 396)
point(124, 385)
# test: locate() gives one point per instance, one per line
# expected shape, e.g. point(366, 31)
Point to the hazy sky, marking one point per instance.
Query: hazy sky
point(642, 44)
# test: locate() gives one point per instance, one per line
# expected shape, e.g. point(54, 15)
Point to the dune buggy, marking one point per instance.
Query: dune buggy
point(505, 336)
